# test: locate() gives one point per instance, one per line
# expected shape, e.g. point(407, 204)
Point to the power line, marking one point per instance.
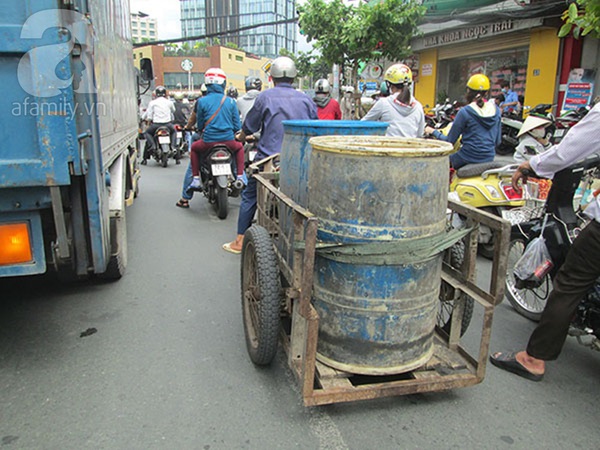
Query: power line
point(212, 35)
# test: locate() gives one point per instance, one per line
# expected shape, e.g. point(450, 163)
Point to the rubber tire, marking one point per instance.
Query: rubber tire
point(261, 290)
point(487, 250)
point(509, 285)
point(164, 158)
point(118, 243)
point(455, 255)
point(222, 203)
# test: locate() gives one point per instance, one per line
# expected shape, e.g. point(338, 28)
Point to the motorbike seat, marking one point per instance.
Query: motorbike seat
point(474, 170)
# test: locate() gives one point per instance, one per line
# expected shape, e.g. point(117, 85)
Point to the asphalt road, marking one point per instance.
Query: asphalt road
point(167, 366)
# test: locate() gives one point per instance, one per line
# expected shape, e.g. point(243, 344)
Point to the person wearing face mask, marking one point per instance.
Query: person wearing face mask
point(400, 109)
point(511, 99)
point(533, 138)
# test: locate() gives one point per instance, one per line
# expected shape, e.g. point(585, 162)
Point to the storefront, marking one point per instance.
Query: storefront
point(522, 51)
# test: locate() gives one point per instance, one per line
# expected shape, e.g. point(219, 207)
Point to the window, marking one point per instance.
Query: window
point(239, 58)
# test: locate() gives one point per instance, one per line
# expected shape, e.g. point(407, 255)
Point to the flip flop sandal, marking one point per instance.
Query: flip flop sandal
point(227, 248)
point(508, 362)
point(183, 204)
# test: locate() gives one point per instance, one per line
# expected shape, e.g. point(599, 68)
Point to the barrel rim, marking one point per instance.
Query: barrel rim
point(388, 146)
point(334, 123)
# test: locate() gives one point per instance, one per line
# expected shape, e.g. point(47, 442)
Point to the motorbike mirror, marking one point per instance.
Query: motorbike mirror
point(146, 70)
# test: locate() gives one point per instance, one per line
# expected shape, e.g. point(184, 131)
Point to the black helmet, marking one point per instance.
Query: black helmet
point(253, 83)
point(232, 92)
point(160, 91)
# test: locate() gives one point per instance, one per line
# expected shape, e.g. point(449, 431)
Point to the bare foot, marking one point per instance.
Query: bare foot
point(534, 365)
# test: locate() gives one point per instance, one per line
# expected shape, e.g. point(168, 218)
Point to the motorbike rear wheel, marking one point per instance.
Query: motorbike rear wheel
point(528, 302)
point(164, 157)
point(261, 288)
point(222, 202)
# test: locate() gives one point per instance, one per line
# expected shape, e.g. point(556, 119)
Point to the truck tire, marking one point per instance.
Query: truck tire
point(118, 243)
point(261, 290)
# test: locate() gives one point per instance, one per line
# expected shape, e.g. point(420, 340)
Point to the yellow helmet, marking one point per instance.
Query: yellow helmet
point(479, 82)
point(398, 74)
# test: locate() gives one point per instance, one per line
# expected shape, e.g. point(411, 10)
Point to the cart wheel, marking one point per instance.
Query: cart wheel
point(455, 255)
point(260, 295)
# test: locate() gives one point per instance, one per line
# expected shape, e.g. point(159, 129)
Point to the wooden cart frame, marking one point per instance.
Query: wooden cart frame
point(450, 367)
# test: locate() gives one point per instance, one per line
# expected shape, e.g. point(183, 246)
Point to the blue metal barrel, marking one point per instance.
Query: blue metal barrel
point(296, 151)
point(377, 312)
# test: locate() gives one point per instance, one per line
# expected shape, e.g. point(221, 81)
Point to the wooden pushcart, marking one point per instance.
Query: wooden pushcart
point(277, 281)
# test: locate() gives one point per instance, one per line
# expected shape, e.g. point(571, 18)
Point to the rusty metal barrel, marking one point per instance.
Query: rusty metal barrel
point(374, 195)
point(296, 151)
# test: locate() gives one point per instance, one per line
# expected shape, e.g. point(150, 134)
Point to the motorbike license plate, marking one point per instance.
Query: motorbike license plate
point(221, 169)
point(179, 134)
point(559, 132)
point(252, 154)
point(164, 140)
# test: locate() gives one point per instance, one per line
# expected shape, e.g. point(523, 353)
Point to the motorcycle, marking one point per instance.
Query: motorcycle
point(566, 121)
point(181, 145)
point(217, 167)
point(442, 115)
point(486, 186)
point(163, 149)
point(560, 223)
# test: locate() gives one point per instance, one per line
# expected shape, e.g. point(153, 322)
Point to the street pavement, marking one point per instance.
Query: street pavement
point(157, 360)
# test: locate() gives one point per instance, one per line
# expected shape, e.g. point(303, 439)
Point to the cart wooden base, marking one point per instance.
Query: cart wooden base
point(295, 245)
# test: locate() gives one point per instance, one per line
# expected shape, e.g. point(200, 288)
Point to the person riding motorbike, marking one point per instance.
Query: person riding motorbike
point(270, 109)
point(182, 115)
point(533, 138)
point(511, 98)
point(581, 268)
point(400, 109)
point(232, 92)
point(218, 117)
point(160, 114)
point(478, 123)
point(327, 108)
point(244, 103)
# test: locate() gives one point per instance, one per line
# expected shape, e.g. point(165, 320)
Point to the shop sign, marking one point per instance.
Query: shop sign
point(579, 89)
point(427, 70)
point(474, 33)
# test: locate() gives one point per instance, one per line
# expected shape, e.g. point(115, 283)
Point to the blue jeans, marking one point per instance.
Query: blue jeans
point(187, 180)
point(247, 206)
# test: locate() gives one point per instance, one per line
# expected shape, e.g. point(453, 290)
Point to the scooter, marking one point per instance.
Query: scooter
point(560, 224)
point(486, 186)
point(217, 167)
point(163, 149)
point(181, 145)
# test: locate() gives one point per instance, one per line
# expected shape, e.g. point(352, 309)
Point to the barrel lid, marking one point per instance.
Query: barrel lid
point(381, 146)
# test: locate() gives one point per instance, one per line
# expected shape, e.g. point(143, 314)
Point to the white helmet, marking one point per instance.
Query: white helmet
point(532, 122)
point(283, 67)
point(322, 86)
point(215, 76)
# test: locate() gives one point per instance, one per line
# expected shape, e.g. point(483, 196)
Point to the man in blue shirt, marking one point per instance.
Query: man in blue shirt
point(270, 109)
point(511, 99)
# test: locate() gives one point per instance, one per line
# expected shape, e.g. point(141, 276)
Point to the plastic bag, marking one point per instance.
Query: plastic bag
point(533, 266)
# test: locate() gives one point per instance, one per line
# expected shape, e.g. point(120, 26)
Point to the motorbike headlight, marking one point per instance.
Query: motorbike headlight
point(493, 191)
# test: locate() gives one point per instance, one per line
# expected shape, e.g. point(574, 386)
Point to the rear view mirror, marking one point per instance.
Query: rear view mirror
point(146, 71)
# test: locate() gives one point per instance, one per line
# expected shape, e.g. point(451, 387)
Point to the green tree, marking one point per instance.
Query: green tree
point(582, 18)
point(348, 35)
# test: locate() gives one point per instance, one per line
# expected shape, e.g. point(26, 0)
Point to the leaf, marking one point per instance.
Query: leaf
point(573, 11)
point(564, 30)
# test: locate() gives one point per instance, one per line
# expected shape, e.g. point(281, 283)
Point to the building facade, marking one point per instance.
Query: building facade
point(143, 27)
point(201, 17)
point(168, 70)
point(510, 41)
